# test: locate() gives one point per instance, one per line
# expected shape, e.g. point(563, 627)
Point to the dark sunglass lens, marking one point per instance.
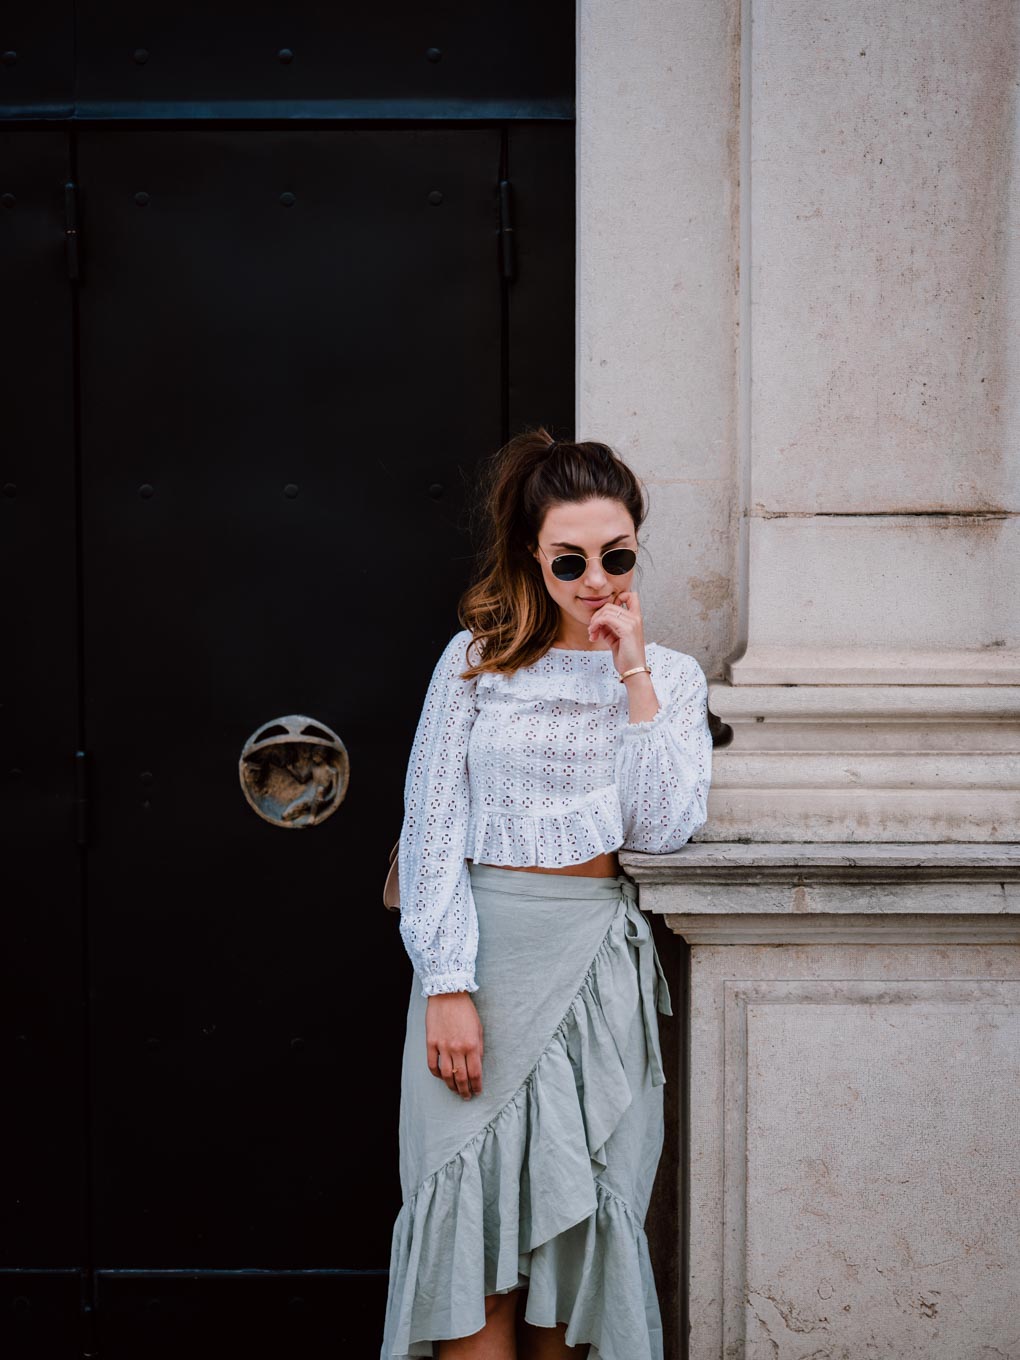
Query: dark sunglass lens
point(568, 567)
point(619, 561)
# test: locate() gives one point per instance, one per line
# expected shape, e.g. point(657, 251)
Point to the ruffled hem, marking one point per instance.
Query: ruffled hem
point(521, 1202)
point(552, 839)
point(568, 1278)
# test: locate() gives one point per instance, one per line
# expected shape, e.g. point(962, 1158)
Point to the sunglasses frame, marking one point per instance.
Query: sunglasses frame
point(600, 556)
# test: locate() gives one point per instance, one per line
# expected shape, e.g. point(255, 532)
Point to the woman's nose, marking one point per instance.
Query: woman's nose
point(595, 578)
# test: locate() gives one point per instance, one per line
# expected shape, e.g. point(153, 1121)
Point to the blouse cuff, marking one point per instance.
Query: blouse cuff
point(438, 984)
point(639, 729)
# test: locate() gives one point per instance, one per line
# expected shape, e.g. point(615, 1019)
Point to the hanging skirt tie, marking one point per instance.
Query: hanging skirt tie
point(543, 1181)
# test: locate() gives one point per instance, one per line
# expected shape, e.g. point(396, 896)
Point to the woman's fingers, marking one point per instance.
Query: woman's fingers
point(474, 1070)
point(447, 1063)
point(457, 1072)
point(462, 1072)
point(463, 1085)
point(440, 1063)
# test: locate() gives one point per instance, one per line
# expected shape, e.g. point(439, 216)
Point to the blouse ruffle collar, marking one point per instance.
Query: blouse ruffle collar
point(584, 677)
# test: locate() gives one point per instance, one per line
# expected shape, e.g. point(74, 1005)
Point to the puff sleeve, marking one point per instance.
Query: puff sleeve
point(664, 765)
point(438, 921)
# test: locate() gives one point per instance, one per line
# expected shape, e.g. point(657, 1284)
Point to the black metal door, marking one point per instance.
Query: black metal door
point(250, 367)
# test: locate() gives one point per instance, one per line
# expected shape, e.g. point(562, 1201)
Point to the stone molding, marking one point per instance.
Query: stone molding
point(900, 762)
point(851, 893)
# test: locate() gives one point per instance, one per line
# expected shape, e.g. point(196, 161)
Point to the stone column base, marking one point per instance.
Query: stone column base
point(866, 762)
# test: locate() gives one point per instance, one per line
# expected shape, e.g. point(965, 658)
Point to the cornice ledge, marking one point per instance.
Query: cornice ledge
point(800, 863)
point(852, 930)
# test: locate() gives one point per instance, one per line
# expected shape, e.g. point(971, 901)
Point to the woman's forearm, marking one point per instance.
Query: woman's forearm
point(641, 693)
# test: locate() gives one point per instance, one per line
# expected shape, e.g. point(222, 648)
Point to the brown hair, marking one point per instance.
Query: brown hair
point(507, 608)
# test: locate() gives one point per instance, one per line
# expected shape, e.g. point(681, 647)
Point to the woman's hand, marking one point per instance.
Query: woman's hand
point(621, 623)
point(453, 1040)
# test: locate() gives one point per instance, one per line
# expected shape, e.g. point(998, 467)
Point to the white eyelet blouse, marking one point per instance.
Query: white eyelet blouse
point(541, 767)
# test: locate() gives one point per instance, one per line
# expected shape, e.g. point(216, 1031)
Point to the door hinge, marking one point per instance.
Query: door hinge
point(506, 230)
point(71, 235)
point(81, 798)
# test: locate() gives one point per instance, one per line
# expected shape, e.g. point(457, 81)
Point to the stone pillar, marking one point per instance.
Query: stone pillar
point(798, 281)
point(875, 682)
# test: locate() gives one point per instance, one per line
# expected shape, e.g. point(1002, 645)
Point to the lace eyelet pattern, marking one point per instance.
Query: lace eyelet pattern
point(544, 768)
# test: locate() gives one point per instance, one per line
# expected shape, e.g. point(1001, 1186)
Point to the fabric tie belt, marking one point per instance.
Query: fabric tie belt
point(651, 978)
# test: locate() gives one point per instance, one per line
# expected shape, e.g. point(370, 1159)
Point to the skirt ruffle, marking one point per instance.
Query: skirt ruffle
point(533, 1198)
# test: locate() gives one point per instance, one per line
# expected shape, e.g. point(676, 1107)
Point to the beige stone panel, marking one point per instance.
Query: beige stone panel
point(852, 1169)
point(897, 581)
point(885, 255)
point(882, 1189)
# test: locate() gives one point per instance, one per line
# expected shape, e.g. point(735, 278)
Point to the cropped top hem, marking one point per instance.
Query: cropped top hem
point(548, 839)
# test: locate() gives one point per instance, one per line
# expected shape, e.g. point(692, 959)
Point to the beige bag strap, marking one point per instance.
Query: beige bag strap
point(391, 888)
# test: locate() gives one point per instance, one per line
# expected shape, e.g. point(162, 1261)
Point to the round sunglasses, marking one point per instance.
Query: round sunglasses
point(571, 566)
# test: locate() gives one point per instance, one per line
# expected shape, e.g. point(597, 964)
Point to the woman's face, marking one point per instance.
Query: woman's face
point(590, 528)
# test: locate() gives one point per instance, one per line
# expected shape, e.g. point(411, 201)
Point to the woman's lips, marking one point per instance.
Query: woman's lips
point(595, 604)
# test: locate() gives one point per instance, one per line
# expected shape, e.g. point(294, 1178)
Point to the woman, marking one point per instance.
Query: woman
point(531, 1100)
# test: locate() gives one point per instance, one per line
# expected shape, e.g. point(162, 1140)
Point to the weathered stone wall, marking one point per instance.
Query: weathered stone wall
point(798, 284)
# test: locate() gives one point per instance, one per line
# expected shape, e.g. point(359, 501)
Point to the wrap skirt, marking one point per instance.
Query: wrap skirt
point(543, 1181)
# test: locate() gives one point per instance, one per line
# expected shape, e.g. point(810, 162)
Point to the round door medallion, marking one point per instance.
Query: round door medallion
point(294, 771)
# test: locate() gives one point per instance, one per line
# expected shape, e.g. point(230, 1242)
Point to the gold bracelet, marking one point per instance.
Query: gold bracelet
point(633, 671)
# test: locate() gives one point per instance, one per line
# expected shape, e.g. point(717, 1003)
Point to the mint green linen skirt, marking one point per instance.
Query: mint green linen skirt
point(543, 1181)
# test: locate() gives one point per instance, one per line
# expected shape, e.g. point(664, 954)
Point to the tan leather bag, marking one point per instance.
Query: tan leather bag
point(391, 888)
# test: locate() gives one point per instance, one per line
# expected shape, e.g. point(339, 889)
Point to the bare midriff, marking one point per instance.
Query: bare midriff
point(602, 866)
